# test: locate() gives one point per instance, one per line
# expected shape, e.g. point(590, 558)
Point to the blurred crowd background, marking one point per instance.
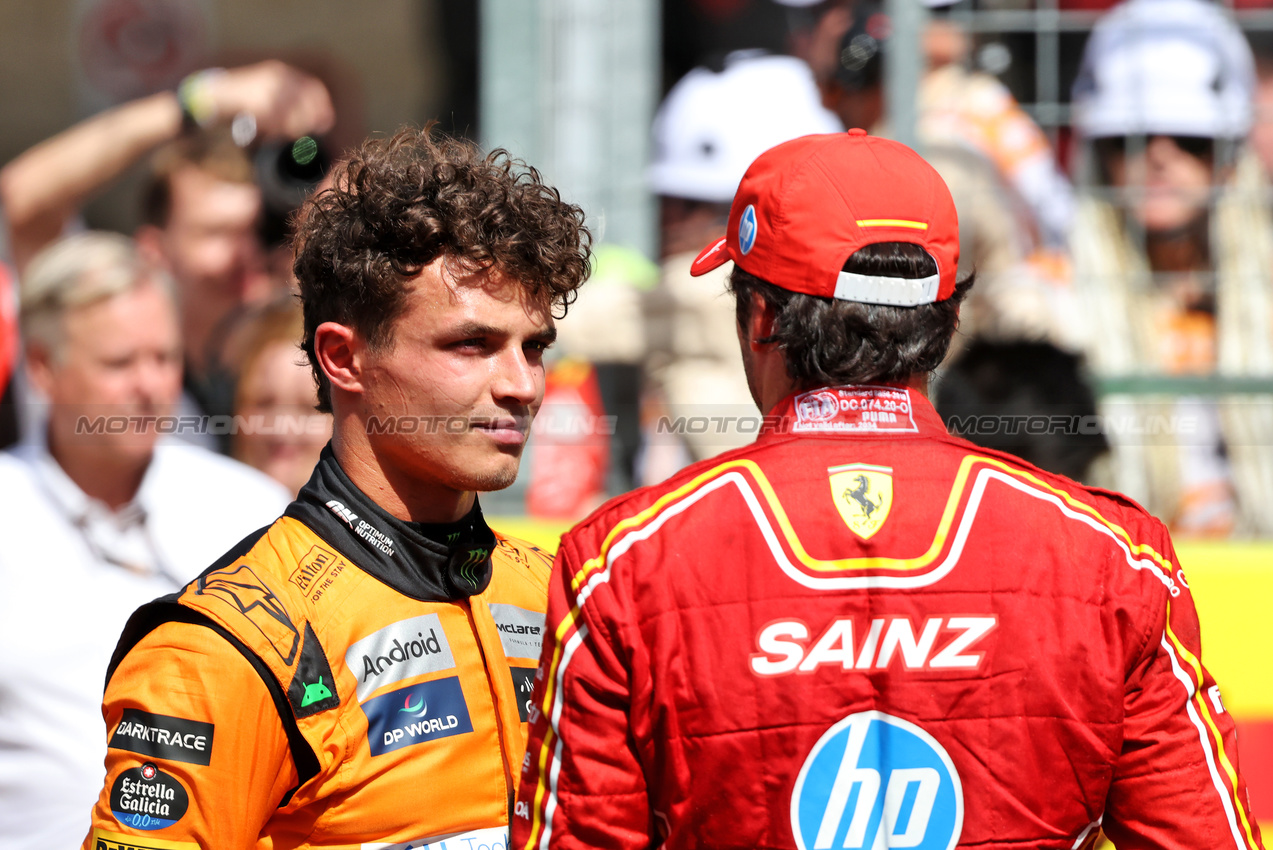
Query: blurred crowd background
point(1111, 164)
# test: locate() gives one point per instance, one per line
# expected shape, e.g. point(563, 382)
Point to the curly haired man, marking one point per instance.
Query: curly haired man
point(357, 673)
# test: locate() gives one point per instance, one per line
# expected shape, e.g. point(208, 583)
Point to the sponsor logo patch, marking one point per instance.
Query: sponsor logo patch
point(854, 410)
point(243, 589)
point(874, 780)
point(102, 839)
point(414, 715)
point(147, 798)
point(521, 632)
point(492, 838)
point(368, 532)
point(523, 686)
point(313, 687)
point(403, 650)
point(863, 495)
point(747, 229)
point(163, 737)
point(317, 571)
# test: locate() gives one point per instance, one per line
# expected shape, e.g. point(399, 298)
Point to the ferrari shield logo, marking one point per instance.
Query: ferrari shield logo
point(863, 495)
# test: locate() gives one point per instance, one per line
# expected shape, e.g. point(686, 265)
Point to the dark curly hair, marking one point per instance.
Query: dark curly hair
point(398, 204)
point(826, 341)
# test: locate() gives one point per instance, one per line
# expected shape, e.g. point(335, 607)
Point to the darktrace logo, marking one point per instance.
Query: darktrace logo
point(163, 737)
point(147, 798)
point(414, 715)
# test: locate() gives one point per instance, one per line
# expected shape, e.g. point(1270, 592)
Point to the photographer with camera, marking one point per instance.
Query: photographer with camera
point(202, 204)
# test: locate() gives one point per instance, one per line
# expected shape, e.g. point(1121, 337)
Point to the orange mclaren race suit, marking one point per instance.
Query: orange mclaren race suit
point(862, 632)
point(340, 679)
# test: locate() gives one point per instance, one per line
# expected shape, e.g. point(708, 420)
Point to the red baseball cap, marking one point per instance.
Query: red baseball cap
point(805, 206)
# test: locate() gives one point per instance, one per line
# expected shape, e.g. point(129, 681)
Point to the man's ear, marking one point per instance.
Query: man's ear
point(760, 322)
point(341, 354)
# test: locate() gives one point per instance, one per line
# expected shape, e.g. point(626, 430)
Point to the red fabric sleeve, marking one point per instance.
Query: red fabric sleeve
point(582, 782)
point(1176, 783)
point(195, 738)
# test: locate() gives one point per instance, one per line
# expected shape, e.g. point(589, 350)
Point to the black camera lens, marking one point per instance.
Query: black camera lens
point(288, 171)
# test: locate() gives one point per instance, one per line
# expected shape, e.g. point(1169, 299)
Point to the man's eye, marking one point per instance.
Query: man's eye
point(538, 345)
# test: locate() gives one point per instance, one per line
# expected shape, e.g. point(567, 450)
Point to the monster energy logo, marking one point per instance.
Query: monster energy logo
point(469, 566)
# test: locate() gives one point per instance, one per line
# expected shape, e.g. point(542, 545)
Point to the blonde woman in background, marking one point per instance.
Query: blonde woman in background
point(278, 431)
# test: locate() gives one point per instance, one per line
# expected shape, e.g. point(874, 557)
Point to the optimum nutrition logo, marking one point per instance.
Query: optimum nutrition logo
point(374, 536)
point(399, 651)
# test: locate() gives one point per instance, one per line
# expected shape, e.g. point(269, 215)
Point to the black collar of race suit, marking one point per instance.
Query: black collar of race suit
point(442, 562)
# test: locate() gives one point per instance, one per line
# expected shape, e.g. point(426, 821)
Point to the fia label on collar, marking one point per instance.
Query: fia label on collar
point(854, 410)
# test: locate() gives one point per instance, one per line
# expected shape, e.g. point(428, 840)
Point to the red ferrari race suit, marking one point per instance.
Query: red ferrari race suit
point(862, 632)
point(340, 679)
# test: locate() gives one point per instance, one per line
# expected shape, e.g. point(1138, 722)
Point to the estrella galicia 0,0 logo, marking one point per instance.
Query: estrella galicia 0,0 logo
point(423, 712)
point(873, 780)
point(147, 798)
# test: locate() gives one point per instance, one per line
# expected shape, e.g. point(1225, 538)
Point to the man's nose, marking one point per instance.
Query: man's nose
point(1159, 149)
point(155, 380)
point(516, 378)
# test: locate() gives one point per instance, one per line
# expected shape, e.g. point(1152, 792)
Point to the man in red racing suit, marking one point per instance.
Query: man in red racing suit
point(860, 631)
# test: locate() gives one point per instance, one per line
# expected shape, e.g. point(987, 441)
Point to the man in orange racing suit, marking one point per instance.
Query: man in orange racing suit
point(861, 632)
point(357, 673)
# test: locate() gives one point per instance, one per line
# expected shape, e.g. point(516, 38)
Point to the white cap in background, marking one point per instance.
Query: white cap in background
point(1170, 67)
point(711, 126)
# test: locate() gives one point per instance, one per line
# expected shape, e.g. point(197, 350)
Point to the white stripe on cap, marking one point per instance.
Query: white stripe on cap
point(893, 291)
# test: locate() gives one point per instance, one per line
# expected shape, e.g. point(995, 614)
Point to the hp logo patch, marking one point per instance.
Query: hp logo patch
point(876, 781)
point(747, 229)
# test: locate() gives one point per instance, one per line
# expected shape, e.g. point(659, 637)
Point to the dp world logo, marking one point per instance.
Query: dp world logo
point(875, 781)
point(747, 229)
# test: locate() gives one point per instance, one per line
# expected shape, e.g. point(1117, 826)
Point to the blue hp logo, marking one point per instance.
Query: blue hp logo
point(747, 229)
point(875, 781)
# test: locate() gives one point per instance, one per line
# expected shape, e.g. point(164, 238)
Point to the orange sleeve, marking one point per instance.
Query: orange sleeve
point(197, 755)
